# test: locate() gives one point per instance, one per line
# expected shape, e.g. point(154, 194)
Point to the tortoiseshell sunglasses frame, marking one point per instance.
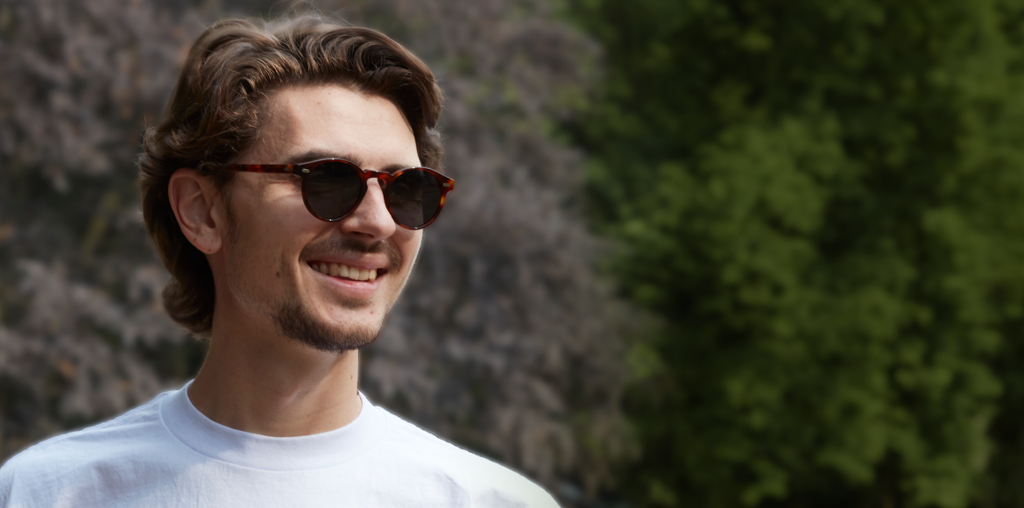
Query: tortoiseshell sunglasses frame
point(304, 169)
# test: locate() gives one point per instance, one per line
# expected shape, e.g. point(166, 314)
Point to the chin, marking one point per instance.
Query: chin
point(358, 328)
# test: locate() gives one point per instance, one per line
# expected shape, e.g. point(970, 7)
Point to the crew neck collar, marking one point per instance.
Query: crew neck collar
point(315, 451)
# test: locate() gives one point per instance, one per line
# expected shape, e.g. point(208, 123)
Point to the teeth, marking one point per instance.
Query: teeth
point(338, 270)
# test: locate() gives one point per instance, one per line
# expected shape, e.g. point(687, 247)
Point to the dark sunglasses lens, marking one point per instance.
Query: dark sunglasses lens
point(332, 190)
point(415, 198)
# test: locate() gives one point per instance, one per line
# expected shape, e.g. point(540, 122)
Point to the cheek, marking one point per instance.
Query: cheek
point(268, 228)
point(409, 244)
point(251, 254)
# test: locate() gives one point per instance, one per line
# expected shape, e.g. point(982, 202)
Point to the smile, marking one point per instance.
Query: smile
point(346, 272)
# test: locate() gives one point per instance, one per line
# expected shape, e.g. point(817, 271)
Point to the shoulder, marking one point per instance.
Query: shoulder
point(52, 464)
point(111, 437)
point(486, 481)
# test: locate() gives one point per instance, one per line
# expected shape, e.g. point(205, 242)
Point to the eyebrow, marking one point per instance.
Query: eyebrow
point(313, 155)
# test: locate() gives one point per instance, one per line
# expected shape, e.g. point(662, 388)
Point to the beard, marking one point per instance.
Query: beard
point(297, 323)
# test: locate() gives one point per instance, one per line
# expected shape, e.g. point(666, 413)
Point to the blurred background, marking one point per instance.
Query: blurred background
point(713, 253)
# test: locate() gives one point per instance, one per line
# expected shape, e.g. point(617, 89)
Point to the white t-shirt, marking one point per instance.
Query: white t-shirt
point(168, 454)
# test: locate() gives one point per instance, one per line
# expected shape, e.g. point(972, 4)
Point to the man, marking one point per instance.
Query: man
point(286, 190)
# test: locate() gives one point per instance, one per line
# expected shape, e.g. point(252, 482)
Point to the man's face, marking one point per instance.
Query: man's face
point(275, 249)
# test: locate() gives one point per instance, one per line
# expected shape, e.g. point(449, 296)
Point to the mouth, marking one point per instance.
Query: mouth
point(347, 272)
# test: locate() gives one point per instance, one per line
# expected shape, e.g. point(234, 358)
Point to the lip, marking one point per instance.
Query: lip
point(348, 288)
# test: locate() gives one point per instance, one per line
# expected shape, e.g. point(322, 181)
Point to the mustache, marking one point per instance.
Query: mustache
point(336, 245)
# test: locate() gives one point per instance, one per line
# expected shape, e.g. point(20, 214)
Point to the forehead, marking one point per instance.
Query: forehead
point(332, 121)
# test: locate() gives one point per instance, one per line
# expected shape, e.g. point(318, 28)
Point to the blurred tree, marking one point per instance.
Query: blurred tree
point(504, 342)
point(82, 332)
point(823, 202)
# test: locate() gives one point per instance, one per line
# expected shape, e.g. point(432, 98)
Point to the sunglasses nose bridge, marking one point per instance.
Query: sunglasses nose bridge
point(382, 177)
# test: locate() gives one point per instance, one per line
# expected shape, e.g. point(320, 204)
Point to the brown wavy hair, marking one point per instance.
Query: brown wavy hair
point(214, 115)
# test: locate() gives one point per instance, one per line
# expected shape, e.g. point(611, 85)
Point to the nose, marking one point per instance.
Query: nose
point(370, 221)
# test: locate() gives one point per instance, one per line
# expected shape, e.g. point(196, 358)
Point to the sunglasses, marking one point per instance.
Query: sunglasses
point(333, 188)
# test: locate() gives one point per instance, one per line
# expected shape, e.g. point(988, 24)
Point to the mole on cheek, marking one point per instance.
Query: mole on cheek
point(278, 275)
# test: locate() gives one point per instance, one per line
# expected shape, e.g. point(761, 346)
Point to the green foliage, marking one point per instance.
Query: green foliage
point(823, 201)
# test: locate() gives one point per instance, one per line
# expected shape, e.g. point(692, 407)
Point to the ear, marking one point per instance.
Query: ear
point(196, 204)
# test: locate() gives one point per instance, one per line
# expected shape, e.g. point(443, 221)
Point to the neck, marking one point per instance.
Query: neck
point(267, 384)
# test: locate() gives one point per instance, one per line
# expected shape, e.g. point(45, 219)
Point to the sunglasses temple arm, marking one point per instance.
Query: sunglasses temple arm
point(264, 168)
